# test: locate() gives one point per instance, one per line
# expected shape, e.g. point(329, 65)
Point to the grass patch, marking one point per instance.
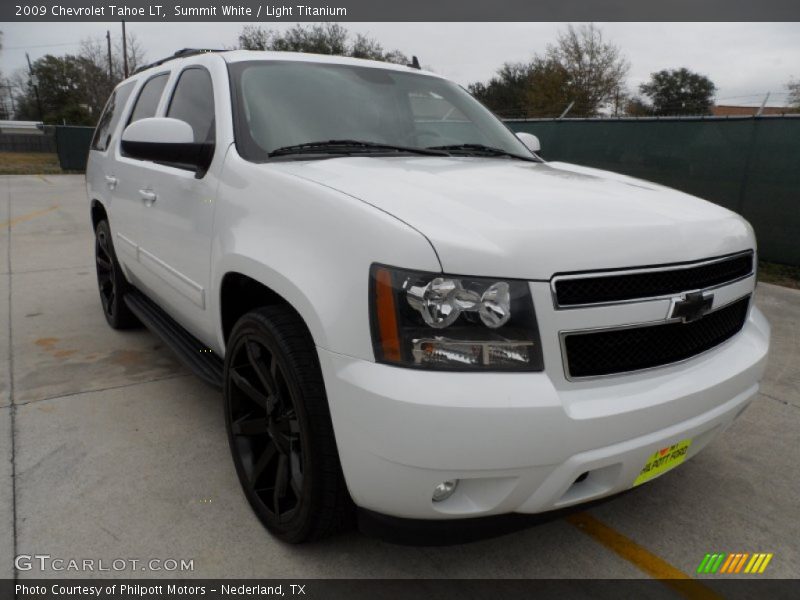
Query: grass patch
point(784, 275)
point(29, 163)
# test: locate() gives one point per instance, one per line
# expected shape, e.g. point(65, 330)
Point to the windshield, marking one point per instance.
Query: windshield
point(289, 103)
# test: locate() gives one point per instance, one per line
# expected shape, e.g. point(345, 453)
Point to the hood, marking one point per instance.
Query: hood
point(509, 218)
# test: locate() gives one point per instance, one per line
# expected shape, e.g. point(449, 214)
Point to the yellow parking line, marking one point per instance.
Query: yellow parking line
point(641, 558)
point(28, 217)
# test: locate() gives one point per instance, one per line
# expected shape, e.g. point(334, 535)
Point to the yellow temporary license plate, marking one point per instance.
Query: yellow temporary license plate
point(662, 461)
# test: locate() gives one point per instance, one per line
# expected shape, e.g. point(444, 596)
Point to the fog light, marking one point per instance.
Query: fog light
point(444, 490)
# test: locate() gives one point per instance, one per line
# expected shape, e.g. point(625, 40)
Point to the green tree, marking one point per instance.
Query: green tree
point(507, 92)
point(636, 107)
point(534, 89)
point(548, 92)
point(74, 88)
point(679, 92)
point(65, 89)
point(327, 38)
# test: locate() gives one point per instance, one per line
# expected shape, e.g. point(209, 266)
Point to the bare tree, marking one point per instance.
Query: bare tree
point(595, 69)
point(136, 55)
point(96, 50)
point(327, 38)
point(253, 37)
point(5, 110)
point(794, 93)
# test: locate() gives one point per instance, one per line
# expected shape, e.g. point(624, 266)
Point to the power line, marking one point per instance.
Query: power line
point(41, 46)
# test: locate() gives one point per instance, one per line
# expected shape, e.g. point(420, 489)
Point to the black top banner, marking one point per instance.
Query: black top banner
point(401, 10)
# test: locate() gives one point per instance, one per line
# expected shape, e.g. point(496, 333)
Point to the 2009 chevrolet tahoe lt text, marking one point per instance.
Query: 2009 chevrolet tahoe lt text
point(409, 312)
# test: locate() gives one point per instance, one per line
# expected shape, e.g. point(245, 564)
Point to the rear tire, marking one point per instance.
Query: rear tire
point(111, 281)
point(279, 428)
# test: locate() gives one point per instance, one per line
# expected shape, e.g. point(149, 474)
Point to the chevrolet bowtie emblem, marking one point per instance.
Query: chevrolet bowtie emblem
point(691, 307)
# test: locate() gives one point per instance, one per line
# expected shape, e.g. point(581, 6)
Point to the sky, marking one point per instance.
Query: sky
point(745, 60)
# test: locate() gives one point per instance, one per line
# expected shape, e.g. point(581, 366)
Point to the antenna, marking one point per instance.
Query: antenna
point(414, 63)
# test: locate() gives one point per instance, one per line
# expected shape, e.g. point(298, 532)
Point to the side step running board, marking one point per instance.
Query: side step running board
point(191, 351)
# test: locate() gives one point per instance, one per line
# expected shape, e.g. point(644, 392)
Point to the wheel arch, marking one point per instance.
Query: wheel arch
point(241, 291)
point(98, 212)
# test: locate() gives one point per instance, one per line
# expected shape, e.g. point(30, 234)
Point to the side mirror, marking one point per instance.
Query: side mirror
point(166, 140)
point(531, 141)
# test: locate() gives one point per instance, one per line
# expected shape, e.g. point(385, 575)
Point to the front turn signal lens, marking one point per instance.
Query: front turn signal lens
point(386, 314)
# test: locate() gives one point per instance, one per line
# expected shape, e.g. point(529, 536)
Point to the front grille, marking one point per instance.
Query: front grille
point(606, 352)
point(661, 281)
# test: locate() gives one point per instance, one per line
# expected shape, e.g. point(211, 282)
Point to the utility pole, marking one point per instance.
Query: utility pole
point(110, 64)
point(763, 104)
point(11, 97)
point(124, 51)
point(35, 88)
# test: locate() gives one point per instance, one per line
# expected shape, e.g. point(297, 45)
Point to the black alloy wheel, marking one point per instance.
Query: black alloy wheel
point(111, 281)
point(279, 427)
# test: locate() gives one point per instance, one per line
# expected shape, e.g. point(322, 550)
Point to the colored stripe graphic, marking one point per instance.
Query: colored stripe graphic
point(717, 562)
point(733, 563)
point(727, 564)
point(741, 562)
point(703, 563)
point(711, 563)
point(765, 563)
point(731, 567)
point(755, 562)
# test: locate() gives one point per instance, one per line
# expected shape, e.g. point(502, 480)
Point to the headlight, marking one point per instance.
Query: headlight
point(435, 321)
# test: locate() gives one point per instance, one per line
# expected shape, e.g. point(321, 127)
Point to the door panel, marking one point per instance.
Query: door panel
point(177, 215)
point(127, 178)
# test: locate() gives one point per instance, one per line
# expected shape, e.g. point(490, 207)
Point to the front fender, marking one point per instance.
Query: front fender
point(311, 245)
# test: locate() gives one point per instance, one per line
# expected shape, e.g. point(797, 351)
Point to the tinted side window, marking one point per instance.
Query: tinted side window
point(110, 117)
point(147, 102)
point(193, 102)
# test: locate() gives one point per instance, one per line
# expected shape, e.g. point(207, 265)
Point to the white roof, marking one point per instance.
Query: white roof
point(233, 56)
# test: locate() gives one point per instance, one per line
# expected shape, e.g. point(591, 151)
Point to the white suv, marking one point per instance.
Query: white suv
point(408, 310)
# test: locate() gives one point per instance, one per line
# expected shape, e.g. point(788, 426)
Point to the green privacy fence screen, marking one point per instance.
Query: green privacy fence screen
point(72, 145)
point(750, 165)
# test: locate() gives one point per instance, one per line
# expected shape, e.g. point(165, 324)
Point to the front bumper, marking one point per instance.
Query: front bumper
point(518, 441)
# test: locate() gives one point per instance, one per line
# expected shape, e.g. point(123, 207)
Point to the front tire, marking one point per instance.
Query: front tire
point(111, 281)
point(280, 430)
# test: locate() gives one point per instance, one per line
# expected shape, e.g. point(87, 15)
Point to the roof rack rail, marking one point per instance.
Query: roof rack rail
point(179, 54)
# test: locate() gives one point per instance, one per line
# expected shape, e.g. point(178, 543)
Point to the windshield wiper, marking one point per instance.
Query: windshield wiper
point(480, 150)
point(351, 147)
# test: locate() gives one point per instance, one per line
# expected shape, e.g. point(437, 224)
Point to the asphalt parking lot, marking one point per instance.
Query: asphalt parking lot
point(109, 448)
